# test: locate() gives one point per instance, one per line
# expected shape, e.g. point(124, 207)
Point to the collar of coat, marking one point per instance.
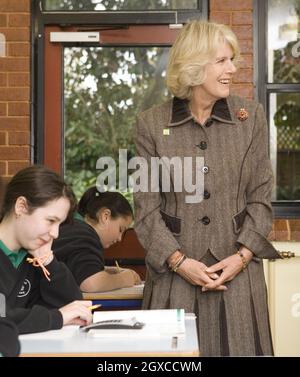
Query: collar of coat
point(181, 112)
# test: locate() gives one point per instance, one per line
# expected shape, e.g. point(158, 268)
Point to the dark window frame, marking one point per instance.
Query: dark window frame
point(288, 209)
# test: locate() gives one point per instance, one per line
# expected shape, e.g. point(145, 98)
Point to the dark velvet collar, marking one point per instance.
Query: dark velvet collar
point(181, 112)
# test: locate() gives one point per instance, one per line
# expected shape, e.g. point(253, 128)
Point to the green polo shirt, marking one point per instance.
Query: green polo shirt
point(16, 257)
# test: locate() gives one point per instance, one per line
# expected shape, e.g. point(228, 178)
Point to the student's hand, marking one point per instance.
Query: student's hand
point(195, 273)
point(111, 269)
point(77, 313)
point(129, 277)
point(44, 253)
point(230, 267)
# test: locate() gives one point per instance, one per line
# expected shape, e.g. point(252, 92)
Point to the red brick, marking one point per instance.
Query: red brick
point(243, 75)
point(18, 108)
point(230, 5)
point(241, 90)
point(3, 20)
point(5, 180)
point(18, 138)
point(14, 123)
point(18, 20)
point(246, 61)
point(15, 166)
point(14, 64)
point(221, 17)
point(14, 153)
point(242, 18)
point(18, 49)
point(3, 169)
point(243, 32)
point(246, 46)
point(3, 79)
point(3, 109)
point(3, 138)
point(15, 34)
point(18, 79)
point(15, 6)
point(14, 94)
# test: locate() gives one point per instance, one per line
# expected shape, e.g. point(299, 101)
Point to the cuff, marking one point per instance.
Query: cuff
point(258, 244)
point(56, 319)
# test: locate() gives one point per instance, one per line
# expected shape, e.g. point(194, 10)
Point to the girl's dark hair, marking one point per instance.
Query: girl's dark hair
point(93, 200)
point(39, 185)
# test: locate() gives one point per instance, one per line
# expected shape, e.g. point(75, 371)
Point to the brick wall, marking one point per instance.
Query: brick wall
point(238, 14)
point(15, 86)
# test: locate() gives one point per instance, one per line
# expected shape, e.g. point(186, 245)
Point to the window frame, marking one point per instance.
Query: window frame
point(86, 21)
point(288, 209)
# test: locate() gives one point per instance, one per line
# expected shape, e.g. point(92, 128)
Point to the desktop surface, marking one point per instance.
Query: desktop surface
point(68, 342)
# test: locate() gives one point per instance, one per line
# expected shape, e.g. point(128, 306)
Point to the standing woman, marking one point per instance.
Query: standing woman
point(102, 219)
point(39, 290)
point(206, 257)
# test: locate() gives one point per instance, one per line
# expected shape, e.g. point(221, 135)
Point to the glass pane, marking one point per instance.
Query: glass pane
point(111, 5)
point(105, 88)
point(284, 41)
point(285, 144)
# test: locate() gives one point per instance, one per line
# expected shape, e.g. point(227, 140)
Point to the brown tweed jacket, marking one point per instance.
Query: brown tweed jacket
point(235, 209)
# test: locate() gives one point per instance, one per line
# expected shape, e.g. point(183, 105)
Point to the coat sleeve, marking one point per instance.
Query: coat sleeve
point(258, 220)
point(157, 240)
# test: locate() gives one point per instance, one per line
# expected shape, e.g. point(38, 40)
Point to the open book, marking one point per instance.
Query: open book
point(155, 323)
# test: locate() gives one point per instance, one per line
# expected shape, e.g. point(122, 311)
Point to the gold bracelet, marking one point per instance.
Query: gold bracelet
point(244, 261)
point(175, 268)
point(175, 264)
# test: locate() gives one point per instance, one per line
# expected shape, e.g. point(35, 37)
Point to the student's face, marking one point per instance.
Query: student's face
point(219, 73)
point(111, 230)
point(35, 229)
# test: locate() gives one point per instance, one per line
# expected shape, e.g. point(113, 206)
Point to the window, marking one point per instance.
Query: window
point(279, 91)
point(104, 89)
point(113, 5)
point(89, 93)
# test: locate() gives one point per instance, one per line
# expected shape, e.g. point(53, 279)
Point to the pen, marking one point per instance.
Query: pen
point(94, 307)
point(117, 265)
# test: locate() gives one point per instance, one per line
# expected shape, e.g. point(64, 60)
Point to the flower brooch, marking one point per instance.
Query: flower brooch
point(242, 114)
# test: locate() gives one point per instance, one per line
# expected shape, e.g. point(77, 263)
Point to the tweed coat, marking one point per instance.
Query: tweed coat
point(235, 211)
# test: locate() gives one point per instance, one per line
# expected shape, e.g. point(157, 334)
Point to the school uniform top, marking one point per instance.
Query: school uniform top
point(32, 301)
point(9, 343)
point(79, 247)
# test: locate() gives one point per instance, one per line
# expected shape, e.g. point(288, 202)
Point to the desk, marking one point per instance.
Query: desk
point(123, 298)
point(81, 344)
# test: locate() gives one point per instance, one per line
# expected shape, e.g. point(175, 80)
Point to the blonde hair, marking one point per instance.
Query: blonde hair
point(195, 46)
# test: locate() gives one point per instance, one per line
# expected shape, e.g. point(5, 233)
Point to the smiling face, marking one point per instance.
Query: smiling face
point(218, 75)
point(41, 226)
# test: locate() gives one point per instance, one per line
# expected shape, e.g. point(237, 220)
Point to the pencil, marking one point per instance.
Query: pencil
point(117, 265)
point(94, 307)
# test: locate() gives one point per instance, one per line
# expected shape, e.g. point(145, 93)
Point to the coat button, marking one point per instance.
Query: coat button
point(205, 220)
point(208, 123)
point(205, 169)
point(203, 145)
point(206, 194)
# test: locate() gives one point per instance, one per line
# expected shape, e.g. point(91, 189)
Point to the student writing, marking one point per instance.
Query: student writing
point(103, 219)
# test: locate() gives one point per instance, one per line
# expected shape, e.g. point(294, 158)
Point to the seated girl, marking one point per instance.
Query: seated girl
point(39, 290)
point(102, 220)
